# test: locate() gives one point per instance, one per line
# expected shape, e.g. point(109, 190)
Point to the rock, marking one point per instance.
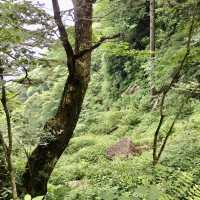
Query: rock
point(124, 148)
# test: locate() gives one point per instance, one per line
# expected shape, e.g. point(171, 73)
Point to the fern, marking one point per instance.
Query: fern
point(182, 185)
point(194, 192)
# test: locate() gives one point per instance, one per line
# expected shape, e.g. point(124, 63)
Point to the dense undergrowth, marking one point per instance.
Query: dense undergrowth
point(84, 172)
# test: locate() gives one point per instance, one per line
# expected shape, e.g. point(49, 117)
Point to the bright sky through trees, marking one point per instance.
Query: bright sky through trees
point(64, 4)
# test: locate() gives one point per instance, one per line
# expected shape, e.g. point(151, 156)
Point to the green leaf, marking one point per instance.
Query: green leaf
point(27, 197)
point(38, 198)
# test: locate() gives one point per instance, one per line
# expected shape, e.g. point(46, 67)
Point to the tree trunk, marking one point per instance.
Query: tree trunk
point(152, 49)
point(152, 28)
point(45, 156)
point(7, 148)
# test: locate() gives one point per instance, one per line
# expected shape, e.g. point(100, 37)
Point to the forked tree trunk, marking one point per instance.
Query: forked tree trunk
point(45, 156)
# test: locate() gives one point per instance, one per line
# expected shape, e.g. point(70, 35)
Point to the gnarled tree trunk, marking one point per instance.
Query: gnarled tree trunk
point(45, 156)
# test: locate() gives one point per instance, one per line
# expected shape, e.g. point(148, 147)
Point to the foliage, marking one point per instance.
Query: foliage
point(118, 102)
point(28, 197)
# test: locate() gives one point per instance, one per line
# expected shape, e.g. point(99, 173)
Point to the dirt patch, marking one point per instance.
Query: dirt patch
point(125, 148)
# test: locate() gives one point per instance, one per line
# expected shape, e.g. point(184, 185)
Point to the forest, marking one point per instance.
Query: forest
point(100, 100)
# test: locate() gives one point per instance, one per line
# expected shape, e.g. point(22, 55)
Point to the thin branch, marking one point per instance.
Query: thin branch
point(180, 67)
point(96, 45)
point(155, 141)
point(63, 35)
point(170, 129)
point(7, 113)
point(167, 88)
point(172, 125)
point(8, 148)
point(26, 77)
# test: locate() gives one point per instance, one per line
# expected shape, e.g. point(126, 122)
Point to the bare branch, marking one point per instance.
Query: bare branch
point(8, 148)
point(170, 129)
point(63, 35)
point(155, 141)
point(165, 91)
point(96, 45)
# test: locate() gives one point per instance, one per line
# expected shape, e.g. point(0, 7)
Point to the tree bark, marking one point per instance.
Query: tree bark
point(152, 28)
point(45, 156)
point(7, 148)
point(152, 46)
